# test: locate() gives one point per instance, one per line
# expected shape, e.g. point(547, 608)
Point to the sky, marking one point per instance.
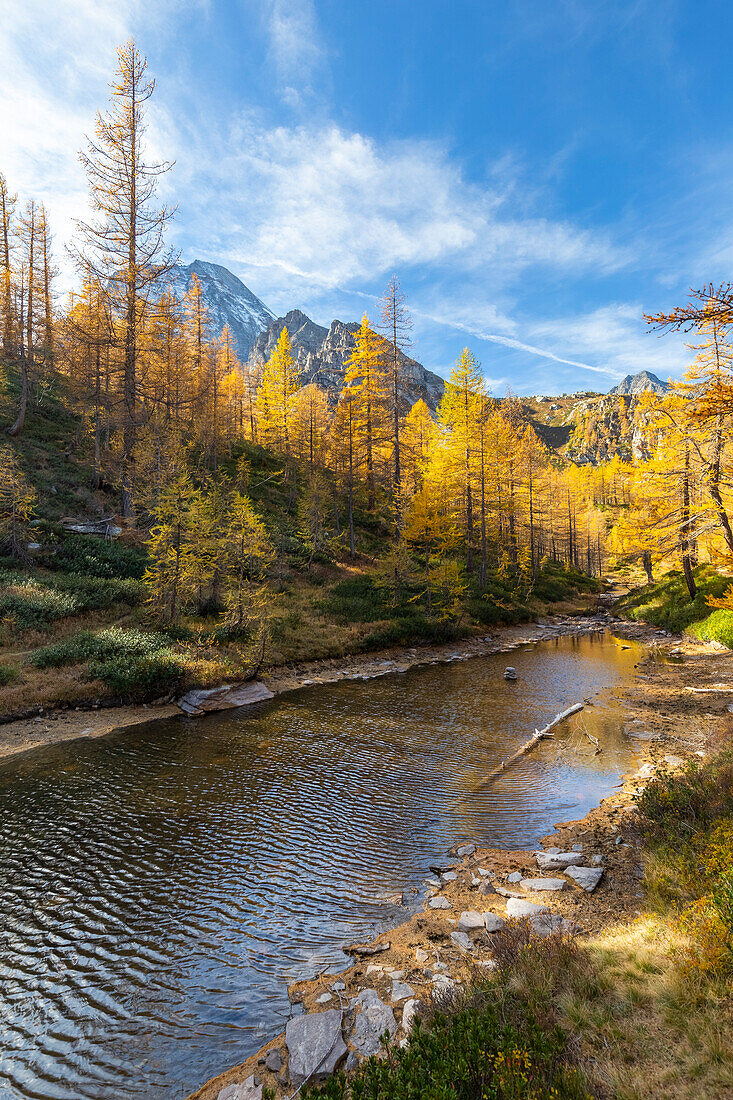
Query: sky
point(538, 173)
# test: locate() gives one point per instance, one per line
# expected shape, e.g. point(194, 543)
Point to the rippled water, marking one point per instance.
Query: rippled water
point(159, 888)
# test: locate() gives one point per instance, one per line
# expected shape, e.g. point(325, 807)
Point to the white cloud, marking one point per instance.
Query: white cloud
point(296, 47)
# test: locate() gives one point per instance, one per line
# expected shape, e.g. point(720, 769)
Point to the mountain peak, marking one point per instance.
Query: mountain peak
point(227, 299)
point(640, 382)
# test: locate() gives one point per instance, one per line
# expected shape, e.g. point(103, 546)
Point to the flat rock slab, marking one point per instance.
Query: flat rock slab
point(470, 921)
point(225, 697)
point(461, 941)
point(368, 948)
point(557, 861)
point(247, 1090)
point(440, 903)
point(466, 850)
point(374, 1019)
point(401, 991)
point(493, 922)
point(540, 884)
point(518, 907)
point(587, 877)
point(315, 1045)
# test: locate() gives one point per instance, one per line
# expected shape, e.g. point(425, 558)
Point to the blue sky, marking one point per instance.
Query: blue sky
point(537, 172)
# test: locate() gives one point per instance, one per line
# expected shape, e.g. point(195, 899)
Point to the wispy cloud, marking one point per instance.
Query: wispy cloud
point(296, 47)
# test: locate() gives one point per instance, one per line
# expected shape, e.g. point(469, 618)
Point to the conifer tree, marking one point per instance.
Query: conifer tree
point(396, 326)
point(123, 243)
point(275, 398)
point(7, 207)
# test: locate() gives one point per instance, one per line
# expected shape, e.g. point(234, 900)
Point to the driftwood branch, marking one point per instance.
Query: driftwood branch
point(538, 736)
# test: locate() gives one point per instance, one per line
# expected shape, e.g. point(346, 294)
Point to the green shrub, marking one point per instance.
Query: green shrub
point(471, 1054)
point(718, 627)
point(141, 675)
point(96, 557)
point(32, 606)
point(357, 600)
point(411, 630)
point(8, 674)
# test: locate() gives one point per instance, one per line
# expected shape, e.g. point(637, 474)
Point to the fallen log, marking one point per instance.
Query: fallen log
point(538, 736)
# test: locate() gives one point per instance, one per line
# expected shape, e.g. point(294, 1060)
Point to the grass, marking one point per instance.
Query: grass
point(667, 603)
point(718, 627)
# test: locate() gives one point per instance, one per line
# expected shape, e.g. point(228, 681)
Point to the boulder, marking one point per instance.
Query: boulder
point(315, 1045)
point(557, 861)
point(225, 697)
point(518, 907)
point(461, 941)
point(544, 924)
point(274, 1061)
point(493, 922)
point(374, 1019)
point(439, 903)
point(410, 1012)
point(251, 1089)
point(470, 921)
point(465, 850)
point(540, 884)
point(401, 991)
point(587, 877)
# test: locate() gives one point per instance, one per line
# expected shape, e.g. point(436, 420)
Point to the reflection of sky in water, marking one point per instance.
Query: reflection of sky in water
point(161, 887)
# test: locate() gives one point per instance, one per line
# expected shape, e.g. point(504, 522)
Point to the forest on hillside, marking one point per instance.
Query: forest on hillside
point(233, 483)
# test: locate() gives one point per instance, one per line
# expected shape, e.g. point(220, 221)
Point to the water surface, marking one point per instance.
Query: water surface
point(159, 888)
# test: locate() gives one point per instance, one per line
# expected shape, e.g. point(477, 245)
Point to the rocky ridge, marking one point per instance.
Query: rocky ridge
point(322, 354)
point(227, 299)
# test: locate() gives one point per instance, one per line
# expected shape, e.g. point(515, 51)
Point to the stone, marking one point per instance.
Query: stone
point(470, 921)
point(493, 922)
point(449, 876)
point(440, 903)
point(251, 1089)
point(518, 907)
point(410, 1012)
point(338, 987)
point(510, 673)
point(224, 697)
point(374, 1019)
point(486, 888)
point(324, 998)
point(577, 847)
point(540, 884)
point(374, 968)
point(315, 1045)
point(401, 991)
point(515, 876)
point(368, 948)
point(545, 924)
point(352, 1061)
point(587, 877)
point(421, 956)
point(461, 941)
point(484, 871)
point(506, 892)
point(596, 860)
point(465, 850)
point(274, 1061)
point(396, 974)
point(434, 882)
point(557, 861)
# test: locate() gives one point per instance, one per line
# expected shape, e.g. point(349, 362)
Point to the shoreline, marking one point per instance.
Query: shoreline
point(56, 727)
point(421, 955)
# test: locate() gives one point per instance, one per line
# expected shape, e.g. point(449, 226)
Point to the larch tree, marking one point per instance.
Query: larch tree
point(396, 325)
point(7, 207)
point(365, 377)
point(459, 413)
point(275, 398)
point(123, 241)
point(28, 242)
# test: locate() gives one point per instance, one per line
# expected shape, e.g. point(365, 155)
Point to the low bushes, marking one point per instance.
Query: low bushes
point(8, 674)
point(93, 556)
point(35, 603)
point(131, 663)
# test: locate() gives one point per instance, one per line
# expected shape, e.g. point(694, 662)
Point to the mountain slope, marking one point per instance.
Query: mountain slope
point(228, 300)
point(322, 353)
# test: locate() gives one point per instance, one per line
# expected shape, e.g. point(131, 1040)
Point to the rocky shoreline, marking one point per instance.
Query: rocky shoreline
point(53, 727)
point(588, 875)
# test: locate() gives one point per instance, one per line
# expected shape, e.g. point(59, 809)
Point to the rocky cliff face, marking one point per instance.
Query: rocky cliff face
point(228, 301)
point(322, 353)
point(589, 428)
